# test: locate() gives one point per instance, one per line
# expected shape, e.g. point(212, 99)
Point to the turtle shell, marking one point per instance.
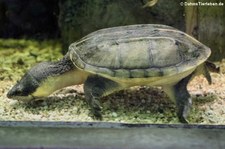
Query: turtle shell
point(138, 51)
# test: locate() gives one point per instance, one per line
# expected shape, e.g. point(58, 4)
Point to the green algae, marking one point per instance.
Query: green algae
point(17, 56)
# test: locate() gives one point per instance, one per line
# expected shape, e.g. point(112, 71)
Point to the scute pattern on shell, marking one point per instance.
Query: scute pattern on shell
point(138, 51)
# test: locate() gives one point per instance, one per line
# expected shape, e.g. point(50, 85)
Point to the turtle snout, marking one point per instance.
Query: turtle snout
point(15, 91)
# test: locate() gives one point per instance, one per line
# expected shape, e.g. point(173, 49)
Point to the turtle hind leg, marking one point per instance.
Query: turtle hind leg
point(96, 87)
point(181, 96)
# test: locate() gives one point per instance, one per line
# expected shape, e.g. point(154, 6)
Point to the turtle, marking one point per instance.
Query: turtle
point(112, 59)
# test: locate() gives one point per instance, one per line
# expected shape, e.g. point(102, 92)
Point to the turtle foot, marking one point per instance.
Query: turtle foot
point(183, 120)
point(96, 114)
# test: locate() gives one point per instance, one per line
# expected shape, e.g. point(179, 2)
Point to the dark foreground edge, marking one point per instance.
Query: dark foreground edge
point(69, 124)
point(94, 135)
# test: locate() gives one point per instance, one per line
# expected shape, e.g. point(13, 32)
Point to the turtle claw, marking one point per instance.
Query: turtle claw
point(96, 109)
point(183, 120)
point(97, 115)
point(183, 111)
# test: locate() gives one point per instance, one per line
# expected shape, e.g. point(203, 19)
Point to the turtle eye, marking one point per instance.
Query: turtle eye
point(18, 90)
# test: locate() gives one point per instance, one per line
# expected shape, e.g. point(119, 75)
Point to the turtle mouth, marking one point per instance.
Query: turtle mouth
point(27, 99)
point(22, 98)
point(17, 94)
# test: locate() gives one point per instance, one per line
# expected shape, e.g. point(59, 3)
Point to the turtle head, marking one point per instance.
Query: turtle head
point(38, 82)
point(24, 88)
point(45, 78)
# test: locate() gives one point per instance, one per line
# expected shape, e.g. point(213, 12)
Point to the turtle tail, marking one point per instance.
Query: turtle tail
point(207, 67)
point(212, 67)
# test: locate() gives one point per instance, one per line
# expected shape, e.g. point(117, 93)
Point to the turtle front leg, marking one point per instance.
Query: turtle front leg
point(96, 87)
point(181, 96)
